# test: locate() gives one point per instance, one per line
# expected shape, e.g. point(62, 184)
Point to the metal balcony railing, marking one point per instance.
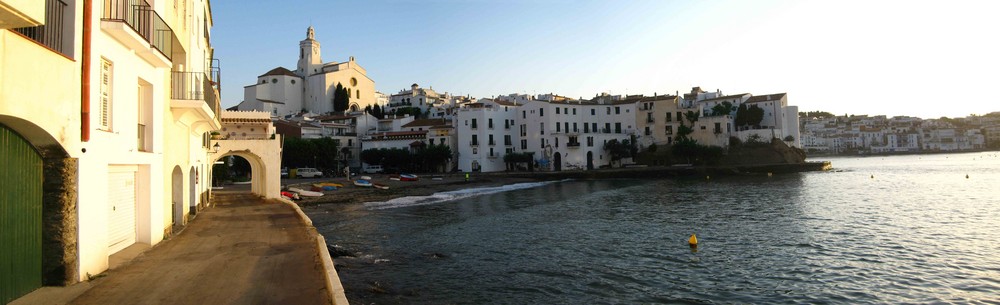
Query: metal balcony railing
point(573, 144)
point(51, 33)
point(141, 17)
point(473, 143)
point(194, 86)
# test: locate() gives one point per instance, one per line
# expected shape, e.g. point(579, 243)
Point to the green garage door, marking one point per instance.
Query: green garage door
point(20, 216)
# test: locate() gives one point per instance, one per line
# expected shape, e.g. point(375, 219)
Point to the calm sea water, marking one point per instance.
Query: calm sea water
point(902, 229)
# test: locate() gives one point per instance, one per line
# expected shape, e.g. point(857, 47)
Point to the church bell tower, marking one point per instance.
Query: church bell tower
point(309, 56)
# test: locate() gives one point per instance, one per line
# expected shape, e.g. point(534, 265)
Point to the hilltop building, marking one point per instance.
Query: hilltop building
point(311, 86)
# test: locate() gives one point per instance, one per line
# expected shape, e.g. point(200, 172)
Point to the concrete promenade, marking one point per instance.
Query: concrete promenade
point(245, 250)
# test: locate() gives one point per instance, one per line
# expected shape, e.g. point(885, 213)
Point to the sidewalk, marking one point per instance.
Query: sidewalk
point(244, 250)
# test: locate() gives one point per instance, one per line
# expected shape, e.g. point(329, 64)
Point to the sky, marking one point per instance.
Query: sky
point(916, 58)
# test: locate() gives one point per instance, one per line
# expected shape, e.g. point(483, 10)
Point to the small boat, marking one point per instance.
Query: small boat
point(330, 184)
point(366, 177)
point(306, 193)
point(319, 187)
point(380, 186)
point(408, 177)
point(290, 195)
point(394, 178)
point(362, 183)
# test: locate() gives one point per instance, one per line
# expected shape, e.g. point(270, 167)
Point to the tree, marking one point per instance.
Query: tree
point(341, 98)
point(692, 116)
point(748, 116)
point(724, 108)
point(619, 149)
point(434, 157)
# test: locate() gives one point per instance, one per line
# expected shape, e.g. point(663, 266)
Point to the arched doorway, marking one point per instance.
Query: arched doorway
point(193, 190)
point(21, 219)
point(590, 160)
point(241, 171)
point(557, 162)
point(177, 197)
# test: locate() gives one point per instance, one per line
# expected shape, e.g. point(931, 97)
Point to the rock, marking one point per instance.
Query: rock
point(338, 251)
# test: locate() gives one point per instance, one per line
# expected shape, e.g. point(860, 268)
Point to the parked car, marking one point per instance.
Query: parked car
point(308, 172)
point(373, 169)
point(284, 172)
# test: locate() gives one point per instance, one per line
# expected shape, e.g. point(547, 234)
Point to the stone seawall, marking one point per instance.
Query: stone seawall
point(669, 171)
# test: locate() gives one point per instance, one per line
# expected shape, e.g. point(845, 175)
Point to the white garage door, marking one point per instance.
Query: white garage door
point(121, 208)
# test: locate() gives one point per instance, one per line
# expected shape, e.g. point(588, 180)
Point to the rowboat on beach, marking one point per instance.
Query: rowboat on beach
point(306, 193)
point(362, 183)
point(380, 186)
point(408, 177)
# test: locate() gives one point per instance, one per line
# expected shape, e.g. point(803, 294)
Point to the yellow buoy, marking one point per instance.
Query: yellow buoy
point(693, 241)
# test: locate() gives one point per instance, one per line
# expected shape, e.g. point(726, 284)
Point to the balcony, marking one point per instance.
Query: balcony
point(573, 144)
point(508, 143)
point(473, 143)
point(21, 13)
point(194, 100)
point(51, 34)
point(137, 26)
point(493, 143)
point(650, 120)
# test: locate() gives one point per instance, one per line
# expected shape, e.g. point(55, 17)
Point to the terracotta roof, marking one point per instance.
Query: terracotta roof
point(280, 71)
point(426, 122)
point(332, 117)
point(765, 98)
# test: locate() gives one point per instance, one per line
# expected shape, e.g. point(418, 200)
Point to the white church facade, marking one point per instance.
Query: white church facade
point(311, 86)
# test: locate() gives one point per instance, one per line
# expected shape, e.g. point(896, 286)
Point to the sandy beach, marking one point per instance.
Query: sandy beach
point(425, 186)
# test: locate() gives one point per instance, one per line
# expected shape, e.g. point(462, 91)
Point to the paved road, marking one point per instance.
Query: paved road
point(243, 251)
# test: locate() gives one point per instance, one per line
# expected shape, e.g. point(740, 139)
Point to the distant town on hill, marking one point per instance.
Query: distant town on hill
point(826, 133)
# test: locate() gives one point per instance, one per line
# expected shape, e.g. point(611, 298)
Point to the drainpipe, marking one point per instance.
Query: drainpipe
point(85, 73)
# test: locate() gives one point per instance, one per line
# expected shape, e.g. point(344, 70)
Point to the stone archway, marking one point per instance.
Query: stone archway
point(264, 177)
point(57, 204)
point(193, 191)
point(177, 197)
point(557, 162)
point(590, 160)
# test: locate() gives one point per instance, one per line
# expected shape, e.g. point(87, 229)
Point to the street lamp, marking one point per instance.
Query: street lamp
point(216, 147)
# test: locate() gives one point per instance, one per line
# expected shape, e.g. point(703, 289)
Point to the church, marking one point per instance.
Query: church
point(311, 86)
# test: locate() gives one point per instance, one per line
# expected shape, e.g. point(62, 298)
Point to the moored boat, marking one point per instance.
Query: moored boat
point(306, 193)
point(408, 177)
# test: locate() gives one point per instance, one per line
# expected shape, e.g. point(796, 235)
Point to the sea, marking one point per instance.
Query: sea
point(873, 230)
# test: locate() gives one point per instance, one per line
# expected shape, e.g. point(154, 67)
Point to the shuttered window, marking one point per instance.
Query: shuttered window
point(107, 68)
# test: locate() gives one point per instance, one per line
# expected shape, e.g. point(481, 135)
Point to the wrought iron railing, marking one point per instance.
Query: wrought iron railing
point(141, 17)
point(51, 33)
point(194, 86)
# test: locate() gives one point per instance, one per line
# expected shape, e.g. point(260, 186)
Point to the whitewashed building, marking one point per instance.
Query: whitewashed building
point(123, 139)
point(487, 134)
point(311, 86)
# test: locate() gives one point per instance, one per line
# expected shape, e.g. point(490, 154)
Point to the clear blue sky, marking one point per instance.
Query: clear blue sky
point(918, 58)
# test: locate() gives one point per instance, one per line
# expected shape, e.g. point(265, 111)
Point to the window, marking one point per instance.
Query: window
point(557, 126)
point(670, 130)
point(490, 123)
point(475, 140)
point(618, 110)
point(541, 111)
point(668, 117)
point(144, 132)
point(593, 111)
point(354, 82)
point(609, 110)
point(566, 110)
point(107, 73)
point(474, 124)
point(524, 114)
point(574, 127)
point(590, 141)
point(507, 141)
point(357, 93)
point(543, 143)
point(557, 110)
point(574, 111)
point(274, 80)
point(557, 142)
point(491, 140)
point(542, 127)
point(586, 128)
point(524, 144)
point(593, 126)
point(618, 127)
point(607, 128)
point(293, 82)
point(566, 126)
point(475, 151)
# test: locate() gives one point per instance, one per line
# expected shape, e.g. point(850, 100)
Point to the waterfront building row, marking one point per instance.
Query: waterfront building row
point(901, 134)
